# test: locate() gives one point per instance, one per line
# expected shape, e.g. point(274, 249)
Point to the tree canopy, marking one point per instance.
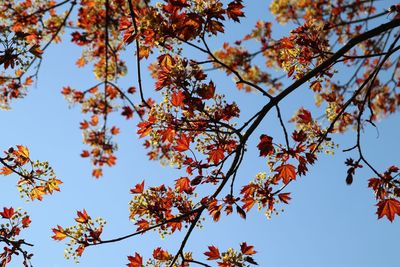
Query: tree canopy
point(342, 55)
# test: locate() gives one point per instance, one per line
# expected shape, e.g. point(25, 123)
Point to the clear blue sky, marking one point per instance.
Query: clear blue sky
point(326, 224)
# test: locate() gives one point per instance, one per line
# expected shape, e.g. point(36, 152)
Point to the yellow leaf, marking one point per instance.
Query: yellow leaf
point(52, 184)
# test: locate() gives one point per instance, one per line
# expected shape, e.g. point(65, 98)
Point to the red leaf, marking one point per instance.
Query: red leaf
point(234, 10)
point(183, 143)
point(265, 146)
point(177, 99)
point(216, 155)
point(247, 250)
point(389, 208)
point(136, 261)
point(138, 188)
point(285, 197)
point(213, 253)
point(7, 213)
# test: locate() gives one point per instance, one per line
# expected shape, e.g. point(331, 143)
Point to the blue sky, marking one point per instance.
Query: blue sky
point(326, 224)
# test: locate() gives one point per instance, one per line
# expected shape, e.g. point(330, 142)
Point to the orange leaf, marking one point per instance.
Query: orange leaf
point(143, 225)
point(52, 185)
point(160, 254)
point(59, 233)
point(97, 173)
point(183, 143)
point(177, 99)
point(183, 184)
point(138, 188)
point(38, 192)
point(286, 172)
point(83, 217)
point(389, 208)
point(136, 261)
point(213, 253)
point(5, 171)
point(114, 130)
point(166, 61)
point(216, 155)
point(247, 250)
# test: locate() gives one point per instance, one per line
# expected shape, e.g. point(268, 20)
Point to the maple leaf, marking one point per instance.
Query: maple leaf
point(183, 143)
point(85, 154)
point(36, 51)
point(97, 173)
point(25, 221)
point(177, 99)
point(183, 184)
point(389, 208)
point(5, 171)
point(247, 250)
point(234, 10)
point(286, 172)
point(284, 197)
point(166, 61)
point(7, 213)
point(23, 154)
point(213, 253)
point(52, 185)
point(37, 193)
point(138, 188)
point(83, 217)
point(135, 261)
point(265, 146)
point(59, 233)
point(143, 225)
point(160, 254)
point(127, 112)
point(216, 155)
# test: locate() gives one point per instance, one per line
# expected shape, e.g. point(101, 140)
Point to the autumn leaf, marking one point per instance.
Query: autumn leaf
point(5, 171)
point(216, 155)
point(36, 51)
point(284, 197)
point(286, 172)
point(143, 225)
point(52, 185)
point(213, 253)
point(83, 217)
point(59, 233)
point(177, 99)
point(138, 189)
point(265, 146)
point(114, 130)
point(7, 213)
point(183, 184)
point(135, 261)
point(166, 61)
point(97, 173)
point(234, 10)
point(25, 221)
point(160, 254)
point(389, 208)
point(247, 250)
point(37, 193)
point(183, 143)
